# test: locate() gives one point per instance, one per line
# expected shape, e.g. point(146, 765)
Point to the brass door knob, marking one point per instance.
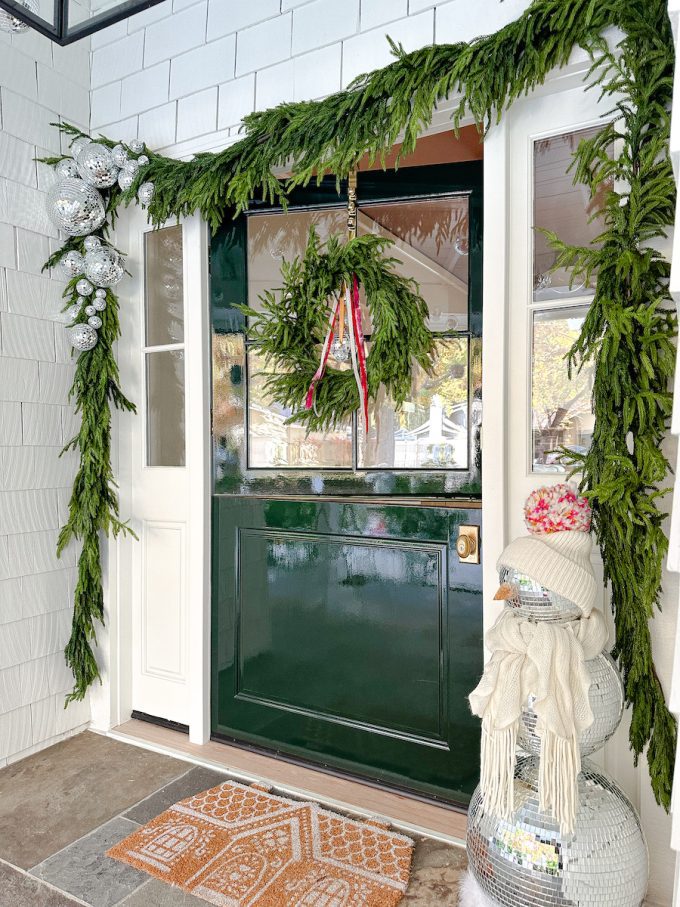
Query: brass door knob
point(465, 546)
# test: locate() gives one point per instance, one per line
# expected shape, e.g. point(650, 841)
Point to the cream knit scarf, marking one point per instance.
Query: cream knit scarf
point(545, 660)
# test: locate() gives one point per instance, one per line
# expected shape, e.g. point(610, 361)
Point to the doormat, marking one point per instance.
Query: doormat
point(240, 846)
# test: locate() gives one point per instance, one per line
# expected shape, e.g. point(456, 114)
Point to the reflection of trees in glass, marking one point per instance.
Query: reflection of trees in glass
point(561, 407)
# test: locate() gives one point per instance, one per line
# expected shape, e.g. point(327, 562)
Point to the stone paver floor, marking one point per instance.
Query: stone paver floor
point(62, 808)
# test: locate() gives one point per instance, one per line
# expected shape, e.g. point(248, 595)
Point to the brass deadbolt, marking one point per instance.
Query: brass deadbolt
point(467, 544)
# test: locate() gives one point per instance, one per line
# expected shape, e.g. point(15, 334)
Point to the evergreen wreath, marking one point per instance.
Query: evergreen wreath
point(293, 322)
point(628, 332)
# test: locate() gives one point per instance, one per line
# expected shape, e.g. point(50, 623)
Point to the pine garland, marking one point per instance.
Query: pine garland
point(292, 326)
point(627, 334)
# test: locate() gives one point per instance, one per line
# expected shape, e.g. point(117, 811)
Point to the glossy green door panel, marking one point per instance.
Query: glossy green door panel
point(349, 634)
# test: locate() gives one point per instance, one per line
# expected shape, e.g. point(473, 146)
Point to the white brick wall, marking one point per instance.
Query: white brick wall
point(39, 84)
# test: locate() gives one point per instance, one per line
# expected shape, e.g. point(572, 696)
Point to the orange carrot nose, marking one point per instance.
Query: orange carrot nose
point(506, 591)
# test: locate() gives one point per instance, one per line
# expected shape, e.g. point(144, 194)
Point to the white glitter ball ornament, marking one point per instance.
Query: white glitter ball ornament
point(13, 24)
point(82, 300)
point(90, 311)
point(104, 267)
point(526, 860)
point(95, 322)
point(78, 144)
point(84, 287)
point(137, 146)
point(99, 303)
point(82, 337)
point(143, 160)
point(66, 168)
point(97, 166)
point(75, 207)
point(72, 264)
point(120, 155)
point(72, 313)
point(91, 243)
point(131, 166)
point(145, 193)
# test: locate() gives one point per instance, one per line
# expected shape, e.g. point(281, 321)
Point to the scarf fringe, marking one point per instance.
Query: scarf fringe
point(498, 757)
point(559, 769)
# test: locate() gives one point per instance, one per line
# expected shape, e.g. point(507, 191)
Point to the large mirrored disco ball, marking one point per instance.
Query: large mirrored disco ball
point(606, 702)
point(96, 165)
point(535, 601)
point(528, 862)
point(104, 267)
point(75, 207)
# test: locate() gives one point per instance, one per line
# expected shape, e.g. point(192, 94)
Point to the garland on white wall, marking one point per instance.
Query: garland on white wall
point(628, 333)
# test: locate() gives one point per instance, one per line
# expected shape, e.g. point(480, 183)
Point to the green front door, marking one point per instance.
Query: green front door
point(345, 630)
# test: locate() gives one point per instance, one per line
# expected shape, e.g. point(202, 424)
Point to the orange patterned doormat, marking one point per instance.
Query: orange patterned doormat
point(239, 846)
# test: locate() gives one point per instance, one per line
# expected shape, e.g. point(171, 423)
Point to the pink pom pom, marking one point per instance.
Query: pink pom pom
point(557, 508)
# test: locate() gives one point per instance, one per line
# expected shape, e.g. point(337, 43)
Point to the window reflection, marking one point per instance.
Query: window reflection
point(165, 408)
point(564, 208)
point(561, 408)
point(431, 429)
point(164, 290)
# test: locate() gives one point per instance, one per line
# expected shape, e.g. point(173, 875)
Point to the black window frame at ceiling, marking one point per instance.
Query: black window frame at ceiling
point(60, 32)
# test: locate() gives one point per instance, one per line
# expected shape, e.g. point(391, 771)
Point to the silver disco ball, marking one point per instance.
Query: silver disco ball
point(14, 25)
point(528, 861)
point(71, 265)
point(606, 701)
point(82, 337)
point(104, 267)
point(75, 207)
point(96, 165)
point(535, 601)
point(66, 168)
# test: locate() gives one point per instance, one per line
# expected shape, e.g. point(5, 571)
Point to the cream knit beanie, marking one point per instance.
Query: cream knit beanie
point(557, 553)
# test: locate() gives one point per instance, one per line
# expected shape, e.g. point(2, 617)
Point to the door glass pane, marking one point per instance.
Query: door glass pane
point(272, 444)
point(164, 286)
point(431, 429)
point(275, 237)
point(431, 244)
point(165, 408)
point(564, 208)
point(561, 409)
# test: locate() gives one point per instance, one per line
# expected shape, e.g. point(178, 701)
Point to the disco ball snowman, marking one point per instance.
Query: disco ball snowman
point(526, 858)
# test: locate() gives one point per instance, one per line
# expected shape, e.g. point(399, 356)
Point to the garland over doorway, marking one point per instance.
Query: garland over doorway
point(628, 333)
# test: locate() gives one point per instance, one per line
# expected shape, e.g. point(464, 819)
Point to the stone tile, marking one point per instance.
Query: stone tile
point(196, 780)
point(82, 869)
point(52, 798)
point(437, 870)
point(20, 890)
point(159, 894)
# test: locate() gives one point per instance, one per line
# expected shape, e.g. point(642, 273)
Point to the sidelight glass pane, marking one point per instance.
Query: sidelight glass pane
point(272, 444)
point(561, 408)
point(164, 286)
point(165, 408)
point(431, 245)
point(431, 429)
point(564, 208)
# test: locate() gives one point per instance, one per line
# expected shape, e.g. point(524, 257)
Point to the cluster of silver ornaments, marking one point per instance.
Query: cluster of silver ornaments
point(526, 859)
point(77, 207)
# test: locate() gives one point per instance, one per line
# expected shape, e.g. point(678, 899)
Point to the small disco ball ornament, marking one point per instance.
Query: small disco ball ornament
point(606, 701)
point(100, 294)
point(527, 860)
point(81, 301)
point(137, 146)
point(90, 311)
point(143, 160)
point(145, 193)
point(120, 155)
point(96, 165)
point(66, 168)
point(104, 267)
point(84, 287)
point(340, 350)
point(78, 144)
point(14, 25)
point(125, 179)
point(72, 313)
point(99, 304)
point(72, 264)
point(534, 601)
point(131, 166)
point(95, 322)
point(75, 207)
point(91, 243)
point(82, 337)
